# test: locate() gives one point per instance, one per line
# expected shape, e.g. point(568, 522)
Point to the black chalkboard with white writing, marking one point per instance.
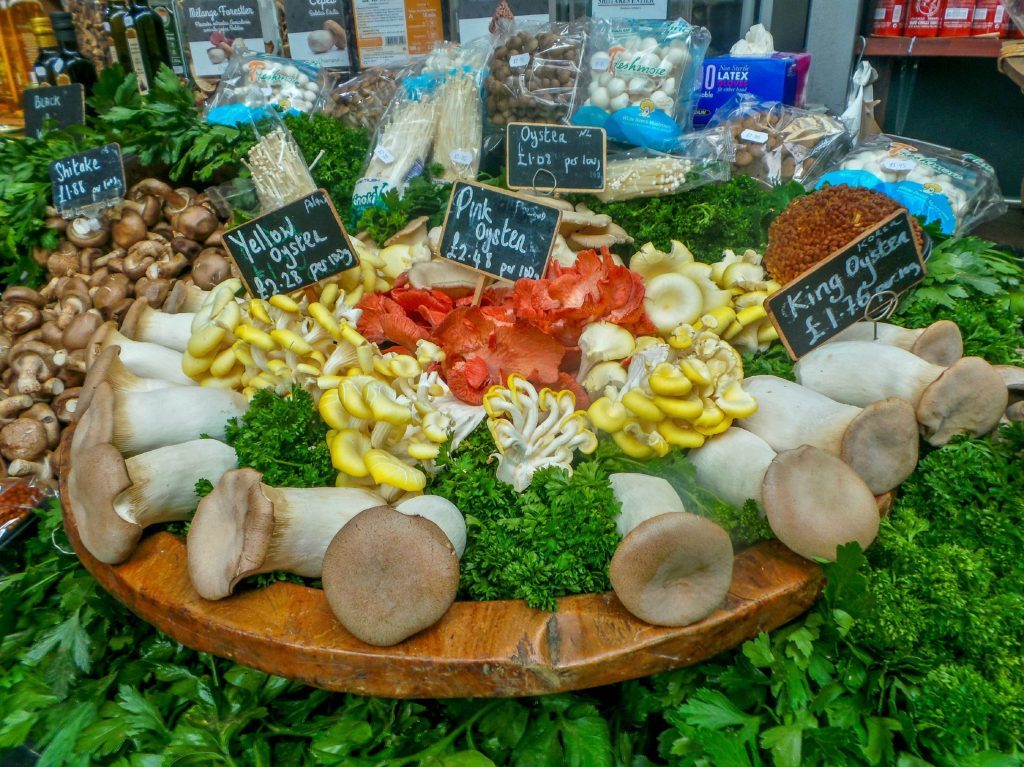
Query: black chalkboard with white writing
point(836, 292)
point(497, 233)
point(63, 104)
point(568, 158)
point(87, 179)
point(292, 247)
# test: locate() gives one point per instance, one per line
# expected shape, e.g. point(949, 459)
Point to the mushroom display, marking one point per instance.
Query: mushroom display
point(813, 501)
point(941, 343)
point(879, 441)
point(969, 396)
point(672, 568)
point(144, 359)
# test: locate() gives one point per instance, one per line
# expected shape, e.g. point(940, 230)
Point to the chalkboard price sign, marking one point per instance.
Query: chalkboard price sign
point(504, 235)
point(836, 292)
point(568, 158)
point(88, 179)
point(292, 247)
point(64, 104)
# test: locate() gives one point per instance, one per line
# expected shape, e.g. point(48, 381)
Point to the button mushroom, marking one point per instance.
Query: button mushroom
point(114, 499)
point(813, 501)
point(968, 396)
point(390, 572)
point(245, 527)
point(880, 441)
point(941, 343)
point(672, 568)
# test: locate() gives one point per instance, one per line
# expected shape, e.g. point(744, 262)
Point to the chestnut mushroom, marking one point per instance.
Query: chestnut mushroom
point(196, 222)
point(88, 233)
point(210, 269)
point(129, 229)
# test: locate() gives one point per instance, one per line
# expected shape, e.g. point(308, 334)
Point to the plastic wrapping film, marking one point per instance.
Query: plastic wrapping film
point(640, 80)
point(776, 143)
point(1016, 11)
point(18, 497)
point(259, 79)
point(956, 190)
point(360, 102)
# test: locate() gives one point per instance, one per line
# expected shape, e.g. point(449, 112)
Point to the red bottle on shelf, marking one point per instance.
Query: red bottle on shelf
point(925, 18)
point(957, 18)
point(988, 18)
point(890, 18)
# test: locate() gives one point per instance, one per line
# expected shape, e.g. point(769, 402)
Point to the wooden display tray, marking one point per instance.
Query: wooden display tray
point(478, 649)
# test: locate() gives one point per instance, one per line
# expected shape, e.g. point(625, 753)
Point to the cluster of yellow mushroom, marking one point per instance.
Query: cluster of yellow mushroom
point(275, 344)
point(383, 421)
point(726, 297)
point(533, 430)
point(673, 394)
point(379, 267)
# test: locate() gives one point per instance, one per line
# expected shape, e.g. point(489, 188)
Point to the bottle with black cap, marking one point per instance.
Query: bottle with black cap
point(71, 66)
point(46, 51)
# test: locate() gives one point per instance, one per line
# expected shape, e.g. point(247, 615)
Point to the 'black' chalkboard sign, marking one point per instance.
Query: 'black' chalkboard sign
point(837, 291)
point(501, 234)
point(64, 104)
point(568, 158)
point(292, 247)
point(86, 179)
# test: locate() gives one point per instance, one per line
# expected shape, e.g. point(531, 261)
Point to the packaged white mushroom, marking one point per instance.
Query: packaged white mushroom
point(640, 80)
point(956, 190)
point(254, 80)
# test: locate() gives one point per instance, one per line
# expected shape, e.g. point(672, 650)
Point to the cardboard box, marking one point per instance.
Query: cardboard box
point(778, 77)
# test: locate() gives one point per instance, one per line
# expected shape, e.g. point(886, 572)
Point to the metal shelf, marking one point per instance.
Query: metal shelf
point(960, 47)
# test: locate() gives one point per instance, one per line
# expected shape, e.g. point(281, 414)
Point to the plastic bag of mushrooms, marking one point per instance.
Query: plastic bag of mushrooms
point(150, 248)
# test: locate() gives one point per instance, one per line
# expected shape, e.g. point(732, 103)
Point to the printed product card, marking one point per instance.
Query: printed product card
point(212, 26)
point(390, 30)
point(316, 32)
point(479, 18)
point(630, 9)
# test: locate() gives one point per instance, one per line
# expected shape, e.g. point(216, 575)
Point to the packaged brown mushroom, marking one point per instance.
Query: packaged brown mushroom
point(777, 143)
point(534, 73)
point(360, 101)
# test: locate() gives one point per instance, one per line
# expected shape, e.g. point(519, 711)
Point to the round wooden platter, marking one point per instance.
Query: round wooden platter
point(478, 649)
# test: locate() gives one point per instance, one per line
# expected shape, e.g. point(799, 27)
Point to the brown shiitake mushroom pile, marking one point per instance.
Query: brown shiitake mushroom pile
point(159, 237)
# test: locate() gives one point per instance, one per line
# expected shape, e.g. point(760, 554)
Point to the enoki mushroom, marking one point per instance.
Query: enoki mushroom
point(644, 177)
point(459, 127)
point(278, 171)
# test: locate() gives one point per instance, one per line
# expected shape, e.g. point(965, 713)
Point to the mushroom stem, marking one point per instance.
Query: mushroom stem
point(144, 323)
point(940, 343)
point(880, 441)
point(672, 568)
point(164, 480)
point(813, 501)
point(147, 420)
point(245, 527)
point(185, 297)
point(969, 396)
point(108, 368)
point(145, 359)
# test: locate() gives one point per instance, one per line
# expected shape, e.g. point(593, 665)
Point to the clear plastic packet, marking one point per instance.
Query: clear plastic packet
point(459, 140)
point(279, 172)
point(534, 73)
point(640, 80)
point(957, 190)
point(259, 79)
point(402, 145)
point(698, 158)
point(776, 143)
point(360, 101)
point(18, 497)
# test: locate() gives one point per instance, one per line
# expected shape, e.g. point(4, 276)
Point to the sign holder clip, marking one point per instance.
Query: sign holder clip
point(879, 308)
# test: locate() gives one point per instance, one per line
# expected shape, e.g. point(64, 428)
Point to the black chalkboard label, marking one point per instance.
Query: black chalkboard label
point(504, 235)
point(568, 158)
point(64, 104)
point(836, 292)
point(87, 179)
point(292, 247)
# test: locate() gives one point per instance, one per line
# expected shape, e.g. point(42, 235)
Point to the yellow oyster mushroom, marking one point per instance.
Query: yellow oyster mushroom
point(332, 411)
point(642, 406)
point(668, 380)
point(386, 469)
point(607, 414)
point(290, 340)
point(255, 337)
point(284, 303)
point(719, 428)
point(323, 317)
point(697, 371)
point(223, 363)
point(194, 367)
point(687, 409)
point(735, 402)
point(680, 435)
point(423, 451)
point(631, 446)
point(205, 340)
point(350, 450)
point(351, 395)
point(384, 404)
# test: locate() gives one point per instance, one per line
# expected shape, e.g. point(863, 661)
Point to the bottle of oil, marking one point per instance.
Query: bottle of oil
point(71, 66)
point(19, 41)
point(139, 39)
point(47, 52)
point(10, 97)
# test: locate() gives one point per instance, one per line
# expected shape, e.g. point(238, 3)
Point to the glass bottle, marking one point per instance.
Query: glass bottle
point(10, 96)
point(172, 32)
point(139, 39)
point(72, 66)
point(46, 52)
point(20, 42)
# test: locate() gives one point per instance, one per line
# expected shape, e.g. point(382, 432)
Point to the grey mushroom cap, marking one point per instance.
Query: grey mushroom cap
point(969, 397)
point(941, 343)
point(96, 425)
point(230, 533)
point(388, 575)
point(97, 477)
point(815, 503)
point(881, 444)
point(1013, 377)
point(673, 569)
point(97, 374)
